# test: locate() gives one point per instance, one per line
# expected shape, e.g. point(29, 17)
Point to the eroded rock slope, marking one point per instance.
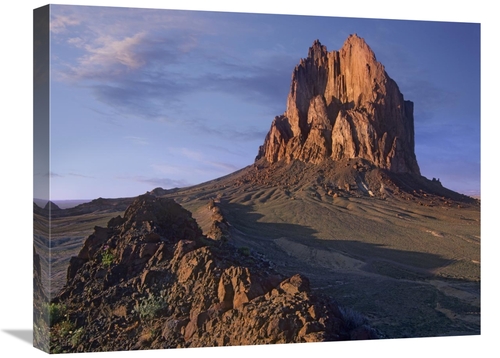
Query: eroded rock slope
point(152, 280)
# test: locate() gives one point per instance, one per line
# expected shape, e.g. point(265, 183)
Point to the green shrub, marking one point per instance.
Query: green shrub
point(66, 328)
point(77, 337)
point(107, 257)
point(150, 307)
point(54, 312)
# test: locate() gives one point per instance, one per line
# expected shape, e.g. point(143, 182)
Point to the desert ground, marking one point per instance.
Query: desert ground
point(409, 263)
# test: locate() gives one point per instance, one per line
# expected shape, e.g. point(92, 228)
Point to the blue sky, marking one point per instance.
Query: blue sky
point(143, 98)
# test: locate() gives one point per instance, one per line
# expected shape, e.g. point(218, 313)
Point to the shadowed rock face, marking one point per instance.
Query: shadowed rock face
point(151, 280)
point(341, 105)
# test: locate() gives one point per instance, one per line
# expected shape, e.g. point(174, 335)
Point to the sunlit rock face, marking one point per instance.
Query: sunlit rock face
point(342, 104)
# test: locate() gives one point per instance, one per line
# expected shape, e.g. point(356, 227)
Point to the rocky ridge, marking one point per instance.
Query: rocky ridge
point(342, 105)
point(354, 177)
point(150, 280)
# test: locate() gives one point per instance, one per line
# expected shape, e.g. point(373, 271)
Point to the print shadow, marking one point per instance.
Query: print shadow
point(25, 335)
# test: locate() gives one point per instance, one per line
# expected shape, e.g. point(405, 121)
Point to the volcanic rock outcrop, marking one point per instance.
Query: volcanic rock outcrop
point(342, 105)
point(150, 280)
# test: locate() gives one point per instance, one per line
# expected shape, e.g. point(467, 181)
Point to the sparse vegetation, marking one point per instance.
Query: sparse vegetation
point(41, 335)
point(245, 251)
point(77, 336)
point(107, 257)
point(66, 328)
point(64, 334)
point(54, 312)
point(352, 318)
point(150, 307)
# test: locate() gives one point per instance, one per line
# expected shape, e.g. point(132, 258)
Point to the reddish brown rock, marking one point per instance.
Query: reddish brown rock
point(341, 105)
point(295, 284)
point(166, 291)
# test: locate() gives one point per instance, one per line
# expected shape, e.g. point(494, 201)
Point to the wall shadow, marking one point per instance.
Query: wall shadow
point(25, 335)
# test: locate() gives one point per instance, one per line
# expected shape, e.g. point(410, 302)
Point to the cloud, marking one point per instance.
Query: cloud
point(150, 71)
point(205, 163)
point(80, 175)
point(102, 59)
point(262, 85)
point(165, 183)
point(59, 23)
point(137, 140)
point(194, 162)
point(225, 166)
point(59, 175)
point(107, 52)
point(192, 154)
point(179, 169)
point(226, 132)
point(231, 150)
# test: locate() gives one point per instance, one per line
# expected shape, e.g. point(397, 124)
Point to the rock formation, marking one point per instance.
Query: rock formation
point(341, 105)
point(151, 280)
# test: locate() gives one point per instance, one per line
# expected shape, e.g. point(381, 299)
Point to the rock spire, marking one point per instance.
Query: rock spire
point(342, 104)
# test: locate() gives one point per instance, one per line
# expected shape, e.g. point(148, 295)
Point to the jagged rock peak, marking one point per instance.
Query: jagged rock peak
point(317, 50)
point(341, 105)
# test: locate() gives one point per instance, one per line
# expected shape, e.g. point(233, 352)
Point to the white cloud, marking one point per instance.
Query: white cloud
point(110, 55)
point(192, 154)
point(76, 41)
point(165, 183)
point(59, 23)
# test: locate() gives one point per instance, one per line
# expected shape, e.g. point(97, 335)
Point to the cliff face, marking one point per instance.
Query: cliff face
point(342, 104)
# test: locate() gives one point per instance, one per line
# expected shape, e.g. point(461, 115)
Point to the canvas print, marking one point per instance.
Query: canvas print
point(207, 179)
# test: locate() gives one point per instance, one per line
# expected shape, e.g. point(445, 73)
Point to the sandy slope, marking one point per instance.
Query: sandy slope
point(412, 265)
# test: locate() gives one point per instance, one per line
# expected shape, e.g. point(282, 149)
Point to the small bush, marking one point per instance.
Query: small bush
point(150, 307)
point(66, 328)
point(107, 257)
point(77, 337)
point(54, 312)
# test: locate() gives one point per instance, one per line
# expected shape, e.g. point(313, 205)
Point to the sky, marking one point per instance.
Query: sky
point(145, 98)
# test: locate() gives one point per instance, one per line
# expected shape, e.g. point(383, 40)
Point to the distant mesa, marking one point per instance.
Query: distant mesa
point(343, 105)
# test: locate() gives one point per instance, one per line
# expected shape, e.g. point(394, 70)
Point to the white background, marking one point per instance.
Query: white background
point(17, 185)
